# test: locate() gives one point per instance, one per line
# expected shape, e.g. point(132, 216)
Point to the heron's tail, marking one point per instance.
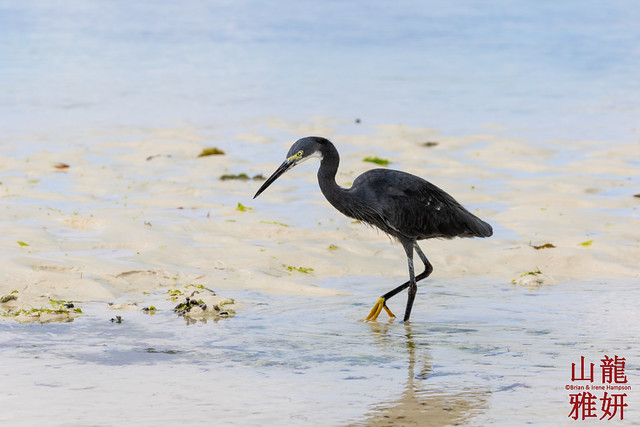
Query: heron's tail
point(477, 227)
point(483, 229)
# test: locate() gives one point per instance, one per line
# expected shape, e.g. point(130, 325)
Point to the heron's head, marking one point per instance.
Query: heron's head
point(301, 150)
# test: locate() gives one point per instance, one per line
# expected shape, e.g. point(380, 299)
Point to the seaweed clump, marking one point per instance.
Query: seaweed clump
point(241, 177)
point(199, 303)
point(43, 310)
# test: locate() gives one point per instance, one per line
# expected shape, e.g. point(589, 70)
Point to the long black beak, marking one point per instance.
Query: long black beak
point(285, 166)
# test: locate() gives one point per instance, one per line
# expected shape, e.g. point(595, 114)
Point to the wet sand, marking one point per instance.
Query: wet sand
point(140, 211)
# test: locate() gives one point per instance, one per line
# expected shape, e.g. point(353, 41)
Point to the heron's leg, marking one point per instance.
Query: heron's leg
point(428, 269)
point(381, 303)
point(413, 288)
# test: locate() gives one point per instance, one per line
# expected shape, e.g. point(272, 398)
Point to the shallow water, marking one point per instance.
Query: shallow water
point(543, 70)
point(497, 354)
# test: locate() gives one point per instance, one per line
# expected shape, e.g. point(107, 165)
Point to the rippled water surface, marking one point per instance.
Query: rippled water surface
point(543, 69)
point(490, 353)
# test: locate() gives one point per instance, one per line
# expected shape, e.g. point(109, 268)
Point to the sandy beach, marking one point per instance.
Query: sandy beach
point(129, 233)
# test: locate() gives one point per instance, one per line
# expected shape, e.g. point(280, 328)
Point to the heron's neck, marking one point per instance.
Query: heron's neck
point(327, 175)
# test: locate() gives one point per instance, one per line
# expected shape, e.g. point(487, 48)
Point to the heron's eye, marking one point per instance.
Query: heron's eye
point(299, 154)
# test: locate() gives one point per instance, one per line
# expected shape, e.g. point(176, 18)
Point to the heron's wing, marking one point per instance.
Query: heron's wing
point(415, 208)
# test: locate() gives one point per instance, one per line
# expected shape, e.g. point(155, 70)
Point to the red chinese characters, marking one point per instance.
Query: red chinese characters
point(585, 404)
point(613, 370)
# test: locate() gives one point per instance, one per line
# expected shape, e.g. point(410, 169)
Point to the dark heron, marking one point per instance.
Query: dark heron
point(402, 205)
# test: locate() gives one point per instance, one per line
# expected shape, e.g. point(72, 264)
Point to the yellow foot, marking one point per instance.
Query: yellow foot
point(377, 308)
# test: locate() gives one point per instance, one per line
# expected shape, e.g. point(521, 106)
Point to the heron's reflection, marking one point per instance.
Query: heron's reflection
point(419, 403)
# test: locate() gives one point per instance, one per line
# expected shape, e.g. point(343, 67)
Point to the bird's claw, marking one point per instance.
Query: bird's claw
point(377, 309)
